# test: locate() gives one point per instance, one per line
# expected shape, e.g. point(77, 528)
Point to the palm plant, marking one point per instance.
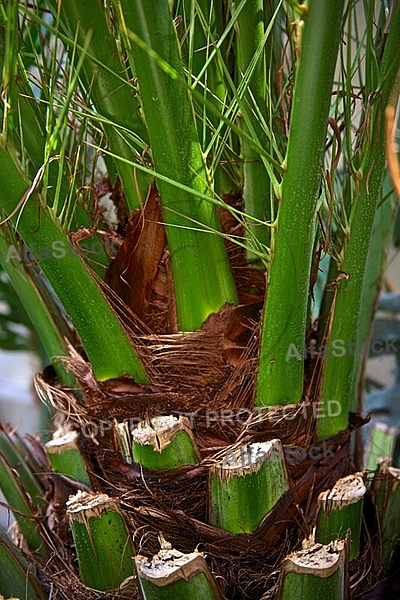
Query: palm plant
point(171, 184)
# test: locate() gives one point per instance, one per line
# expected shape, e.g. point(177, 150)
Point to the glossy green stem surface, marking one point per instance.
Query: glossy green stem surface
point(202, 278)
point(280, 379)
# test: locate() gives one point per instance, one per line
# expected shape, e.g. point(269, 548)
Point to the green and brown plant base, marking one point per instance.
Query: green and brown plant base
point(171, 574)
point(102, 541)
point(66, 457)
point(340, 510)
point(166, 442)
point(317, 571)
point(245, 485)
point(173, 501)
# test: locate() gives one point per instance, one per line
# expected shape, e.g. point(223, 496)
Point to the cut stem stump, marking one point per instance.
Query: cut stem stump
point(340, 509)
point(66, 457)
point(315, 572)
point(170, 575)
point(166, 442)
point(246, 485)
point(103, 545)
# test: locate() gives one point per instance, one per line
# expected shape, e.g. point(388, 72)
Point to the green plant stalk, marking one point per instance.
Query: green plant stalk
point(391, 528)
point(102, 541)
point(26, 116)
point(381, 486)
point(256, 182)
point(246, 485)
point(21, 507)
point(32, 131)
point(280, 381)
point(166, 443)
point(39, 314)
point(62, 190)
point(341, 372)
point(316, 572)
point(380, 445)
point(8, 83)
point(112, 94)
point(29, 136)
point(24, 451)
point(171, 575)
point(340, 509)
point(198, 256)
point(66, 457)
point(28, 480)
point(387, 502)
point(379, 246)
point(16, 577)
point(202, 18)
point(94, 321)
point(227, 117)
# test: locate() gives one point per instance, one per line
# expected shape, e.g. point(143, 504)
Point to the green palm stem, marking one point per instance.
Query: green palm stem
point(245, 485)
point(166, 442)
point(391, 530)
point(9, 15)
point(38, 312)
point(66, 457)
point(170, 574)
point(203, 18)
point(30, 129)
point(102, 541)
point(376, 263)
point(93, 319)
point(381, 442)
point(256, 182)
point(386, 488)
point(28, 134)
point(21, 507)
point(341, 372)
point(24, 451)
point(380, 488)
point(110, 91)
point(23, 118)
point(340, 509)
point(27, 121)
point(315, 572)
point(204, 22)
point(198, 256)
point(377, 256)
point(17, 578)
point(280, 381)
point(16, 461)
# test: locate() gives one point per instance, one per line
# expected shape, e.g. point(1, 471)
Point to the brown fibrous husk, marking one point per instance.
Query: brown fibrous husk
point(209, 376)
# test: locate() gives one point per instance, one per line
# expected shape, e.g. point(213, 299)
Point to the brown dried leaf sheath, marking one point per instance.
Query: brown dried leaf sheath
point(132, 273)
